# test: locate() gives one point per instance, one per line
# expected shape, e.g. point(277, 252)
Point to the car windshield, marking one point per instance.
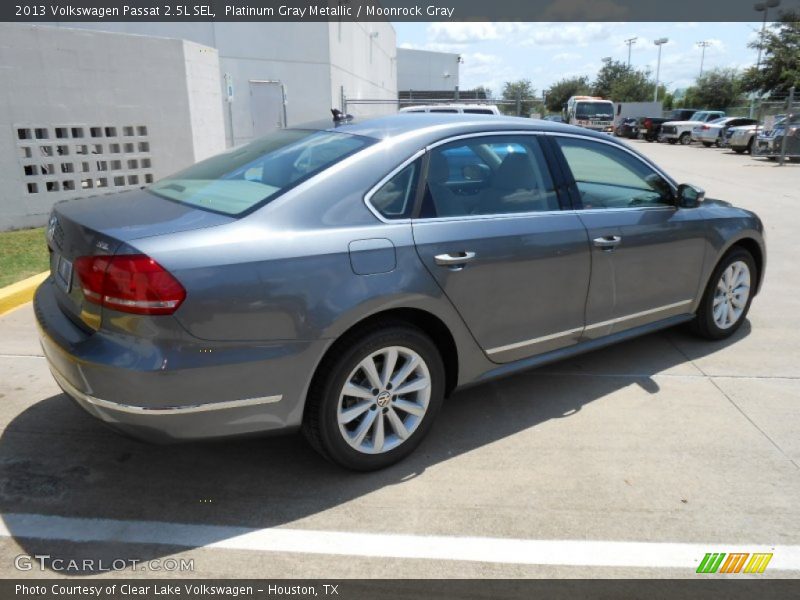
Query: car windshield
point(594, 109)
point(244, 178)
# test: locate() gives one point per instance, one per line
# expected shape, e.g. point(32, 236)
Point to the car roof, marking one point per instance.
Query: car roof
point(440, 125)
point(458, 105)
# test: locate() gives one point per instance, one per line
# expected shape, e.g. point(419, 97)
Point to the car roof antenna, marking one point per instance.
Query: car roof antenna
point(340, 118)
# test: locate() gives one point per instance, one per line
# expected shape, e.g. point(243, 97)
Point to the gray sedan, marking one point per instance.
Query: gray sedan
point(345, 280)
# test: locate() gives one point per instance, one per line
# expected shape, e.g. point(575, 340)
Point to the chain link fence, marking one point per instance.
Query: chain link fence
point(521, 106)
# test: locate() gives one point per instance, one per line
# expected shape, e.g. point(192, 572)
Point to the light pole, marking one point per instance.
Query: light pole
point(659, 42)
point(630, 42)
point(703, 45)
point(762, 7)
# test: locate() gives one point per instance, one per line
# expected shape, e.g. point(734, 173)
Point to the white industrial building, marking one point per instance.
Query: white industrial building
point(190, 89)
point(423, 70)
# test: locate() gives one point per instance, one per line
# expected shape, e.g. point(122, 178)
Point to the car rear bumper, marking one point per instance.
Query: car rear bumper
point(212, 391)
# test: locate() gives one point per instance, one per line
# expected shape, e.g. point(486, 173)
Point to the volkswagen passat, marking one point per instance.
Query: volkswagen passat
point(344, 280)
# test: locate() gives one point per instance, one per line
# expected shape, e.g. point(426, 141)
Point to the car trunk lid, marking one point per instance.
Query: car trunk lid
point(102, 225)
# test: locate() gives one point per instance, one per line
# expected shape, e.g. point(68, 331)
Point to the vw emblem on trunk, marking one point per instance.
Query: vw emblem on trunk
point(51, 227)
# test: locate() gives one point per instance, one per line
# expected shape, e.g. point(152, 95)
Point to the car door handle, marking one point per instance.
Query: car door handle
point(454, 260)
point(608, 242)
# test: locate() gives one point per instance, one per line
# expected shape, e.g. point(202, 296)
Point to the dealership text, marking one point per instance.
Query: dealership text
point(64, 11)
point(313, 10)
point(127, 589)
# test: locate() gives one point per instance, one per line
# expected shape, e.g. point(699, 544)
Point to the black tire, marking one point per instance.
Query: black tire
point(320, 422)
point(738, 150)
point(750, 146)
point(704, 324)
point(649, 140)
point(672, 141)
point(708, 144)
point(685, 139)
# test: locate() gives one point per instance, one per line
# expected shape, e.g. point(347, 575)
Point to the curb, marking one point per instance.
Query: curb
point(19, 293)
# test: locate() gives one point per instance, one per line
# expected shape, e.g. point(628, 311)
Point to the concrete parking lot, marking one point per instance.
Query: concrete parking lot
point(631, 461)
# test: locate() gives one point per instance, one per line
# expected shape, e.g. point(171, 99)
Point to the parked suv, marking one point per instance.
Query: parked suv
point(469, 109)
point(740, 139)
point(650, 127)
point(681, 131)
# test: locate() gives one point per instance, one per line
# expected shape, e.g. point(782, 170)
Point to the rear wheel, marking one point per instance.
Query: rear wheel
point(374, 401)
point(727, 297)
point(685, 139)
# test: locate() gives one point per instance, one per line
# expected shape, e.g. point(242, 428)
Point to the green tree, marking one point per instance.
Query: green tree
point(522, 89)
point(716, 89)
point(561, 91)
point(780, 59)
point(481, 93)
point(618, 82)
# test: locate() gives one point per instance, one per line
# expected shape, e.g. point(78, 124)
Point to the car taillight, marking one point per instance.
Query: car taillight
point(647, 123)
point(705, 128)
point(132, 283)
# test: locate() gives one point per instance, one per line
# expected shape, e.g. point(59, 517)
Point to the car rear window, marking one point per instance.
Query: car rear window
point(245, 178)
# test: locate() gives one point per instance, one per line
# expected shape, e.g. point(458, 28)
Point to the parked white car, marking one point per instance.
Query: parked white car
point(681, 131)
point(740, 139)
point(470, 109)
point(714, 132)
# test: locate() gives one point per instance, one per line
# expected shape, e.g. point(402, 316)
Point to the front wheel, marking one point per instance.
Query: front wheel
point(375, 398)
point(727, 297)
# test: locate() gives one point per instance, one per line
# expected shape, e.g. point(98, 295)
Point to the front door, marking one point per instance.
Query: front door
point(647, 254)
point(493, 235)
point(266, 107)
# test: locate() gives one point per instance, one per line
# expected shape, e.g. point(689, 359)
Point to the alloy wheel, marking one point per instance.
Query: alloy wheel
point(731, 295)
point(384, 400)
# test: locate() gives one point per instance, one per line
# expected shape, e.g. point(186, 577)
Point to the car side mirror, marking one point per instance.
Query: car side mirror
point(690, 196)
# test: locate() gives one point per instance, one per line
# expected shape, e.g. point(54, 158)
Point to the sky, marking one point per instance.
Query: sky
point(494, 53)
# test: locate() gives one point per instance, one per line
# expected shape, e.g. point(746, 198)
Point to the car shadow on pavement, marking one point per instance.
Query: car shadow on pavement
point(56, 460)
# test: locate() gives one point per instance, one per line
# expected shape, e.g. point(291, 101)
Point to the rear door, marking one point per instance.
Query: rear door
point(492, 233)
point(647, 254)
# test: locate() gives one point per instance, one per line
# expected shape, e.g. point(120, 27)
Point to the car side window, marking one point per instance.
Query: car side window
point(609, 177)
point(395, 198)
point(488, 176)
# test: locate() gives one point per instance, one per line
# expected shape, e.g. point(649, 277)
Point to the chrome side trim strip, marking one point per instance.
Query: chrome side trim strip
point(544, 338)
point(569, 332)
point(644, 313)
point(170, 410)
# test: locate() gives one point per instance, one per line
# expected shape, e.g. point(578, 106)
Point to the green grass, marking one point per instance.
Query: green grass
point(22, 254)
